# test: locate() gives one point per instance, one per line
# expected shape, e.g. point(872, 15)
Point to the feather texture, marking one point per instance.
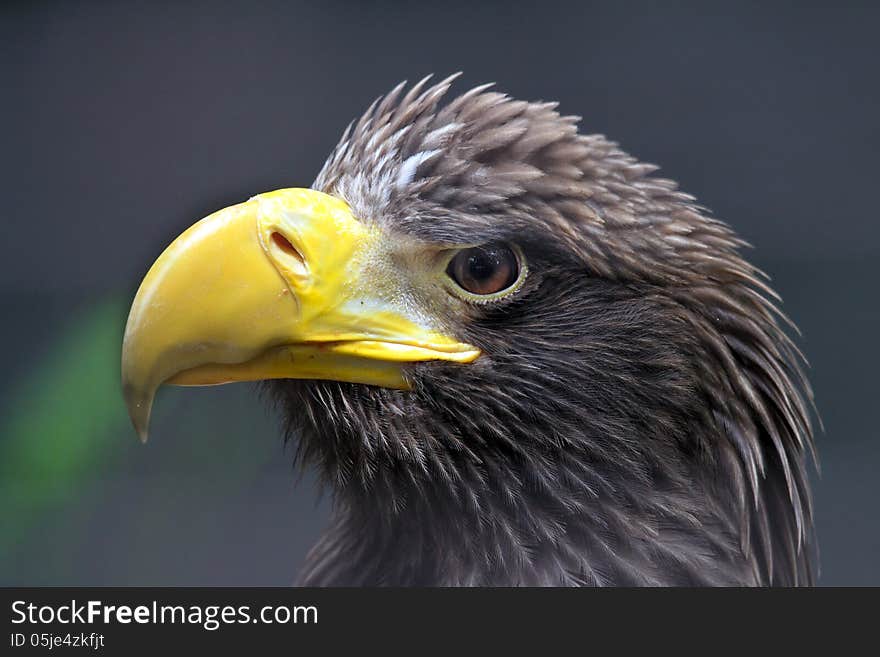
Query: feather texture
point(640, 416)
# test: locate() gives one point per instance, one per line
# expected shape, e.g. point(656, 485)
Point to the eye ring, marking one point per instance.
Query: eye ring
point(487, 272)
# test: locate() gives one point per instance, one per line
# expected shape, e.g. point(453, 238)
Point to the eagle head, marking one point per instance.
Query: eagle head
point(515, 356)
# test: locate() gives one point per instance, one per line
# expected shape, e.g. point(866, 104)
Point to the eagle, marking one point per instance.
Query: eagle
point(515, 356)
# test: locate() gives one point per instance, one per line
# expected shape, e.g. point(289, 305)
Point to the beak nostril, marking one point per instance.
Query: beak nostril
point(286, 247)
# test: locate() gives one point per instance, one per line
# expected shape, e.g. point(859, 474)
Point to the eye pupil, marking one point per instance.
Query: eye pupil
point(485, 269)
point(482, 264)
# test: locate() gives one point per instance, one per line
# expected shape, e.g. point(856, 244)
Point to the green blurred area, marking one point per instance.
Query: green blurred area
point(59, 421)
point(83, 502)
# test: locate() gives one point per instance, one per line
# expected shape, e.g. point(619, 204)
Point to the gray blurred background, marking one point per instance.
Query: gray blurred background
point(123, 123)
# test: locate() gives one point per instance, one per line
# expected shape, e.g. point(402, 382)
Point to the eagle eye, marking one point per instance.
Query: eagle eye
point(487, 270)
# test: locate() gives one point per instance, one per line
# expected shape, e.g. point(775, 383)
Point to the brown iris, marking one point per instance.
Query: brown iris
point(484, 270)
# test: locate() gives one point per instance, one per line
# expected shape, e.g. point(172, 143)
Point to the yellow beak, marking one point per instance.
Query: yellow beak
point(286, 285)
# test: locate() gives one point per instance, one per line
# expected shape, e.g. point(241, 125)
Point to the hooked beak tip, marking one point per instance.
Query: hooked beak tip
point(140, 404)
